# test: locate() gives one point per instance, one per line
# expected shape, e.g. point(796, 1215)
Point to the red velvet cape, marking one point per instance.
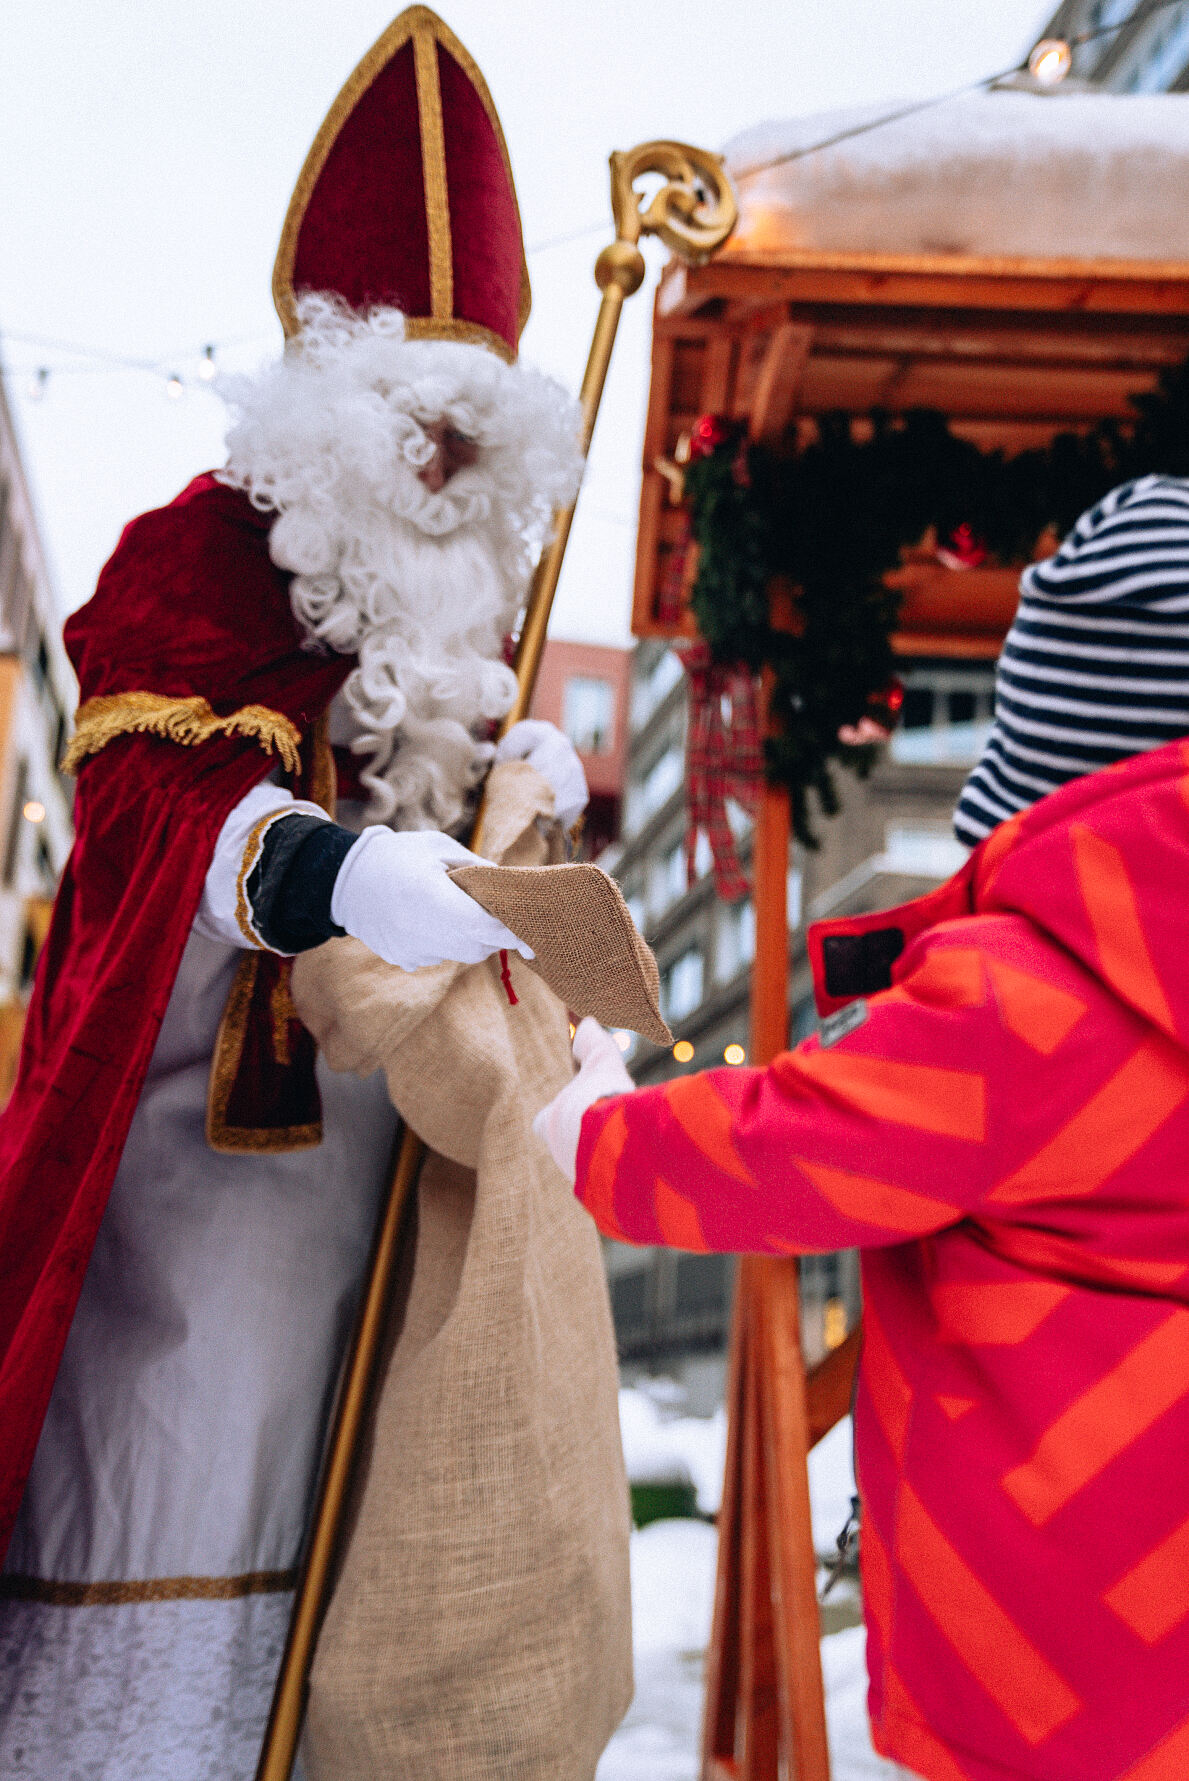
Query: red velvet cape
point(189, 604)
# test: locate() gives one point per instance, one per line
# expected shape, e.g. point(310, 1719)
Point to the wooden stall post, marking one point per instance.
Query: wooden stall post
point(765, 1705)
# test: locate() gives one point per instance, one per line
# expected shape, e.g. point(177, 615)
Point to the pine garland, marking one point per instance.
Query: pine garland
point(833, 516)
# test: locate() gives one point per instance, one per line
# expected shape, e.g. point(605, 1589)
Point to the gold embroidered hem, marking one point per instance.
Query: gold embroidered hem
point(188, 721)
point(17, 1588)
point(221, 1134)
point(252, 851)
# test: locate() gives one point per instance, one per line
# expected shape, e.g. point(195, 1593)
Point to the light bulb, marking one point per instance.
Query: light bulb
point(1050, 61)
point(734, 1054)
point(207, 368)
point(34, 811)
point(174, 387)
point(623, 1040)
point(683, 1051)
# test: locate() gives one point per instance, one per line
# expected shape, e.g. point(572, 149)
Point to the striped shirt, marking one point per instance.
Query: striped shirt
point(1096, 664)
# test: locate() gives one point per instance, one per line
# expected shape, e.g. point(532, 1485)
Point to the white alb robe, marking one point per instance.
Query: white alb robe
point(153, 1557)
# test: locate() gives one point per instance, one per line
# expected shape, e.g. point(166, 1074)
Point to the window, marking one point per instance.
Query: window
point(656, 788)
point(793, 899)
point(735, 941)
point(9, 567)
point(15, 822)
point(630, 1306)
point(701, 1286)
point(654, 686)
point(1157, 55)
point(703, 854)
point(41, 661)
point(946, 718)
point(28, 957)
point(922, 850)
point(666, 881)
point(681, 986)
point(588, 714)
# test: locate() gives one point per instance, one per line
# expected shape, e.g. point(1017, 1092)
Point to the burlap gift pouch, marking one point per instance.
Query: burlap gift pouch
point(480, 1625)
point(588, 949)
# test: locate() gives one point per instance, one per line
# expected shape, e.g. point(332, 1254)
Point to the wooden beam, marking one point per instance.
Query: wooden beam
point(779, 383)
point(792, 1560)
point(721, 1705)
point(718, 374)
point(830, 1385)
point(938, 643)
point(659, 393)
point(1108, 287)
point(653, 495)
point(1050, 341)
point(958, 602)
point(1066, 396)
point(759, 1729)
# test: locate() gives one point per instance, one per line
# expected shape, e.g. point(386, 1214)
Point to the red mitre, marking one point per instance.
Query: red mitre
point(406, 197)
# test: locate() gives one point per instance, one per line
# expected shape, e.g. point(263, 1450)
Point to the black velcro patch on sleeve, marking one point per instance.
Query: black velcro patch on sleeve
point(860, 964)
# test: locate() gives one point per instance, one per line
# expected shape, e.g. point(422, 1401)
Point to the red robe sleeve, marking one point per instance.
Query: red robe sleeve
point(190, 606)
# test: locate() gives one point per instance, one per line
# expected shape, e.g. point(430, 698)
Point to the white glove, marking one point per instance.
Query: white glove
point(392, 893)
point(544, 747)
point(601, 1073)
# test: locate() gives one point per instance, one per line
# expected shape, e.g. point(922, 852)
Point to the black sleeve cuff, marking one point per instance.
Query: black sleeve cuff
point(290, 886)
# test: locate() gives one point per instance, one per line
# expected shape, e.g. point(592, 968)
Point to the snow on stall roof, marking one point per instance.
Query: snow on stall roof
point(1000, 173)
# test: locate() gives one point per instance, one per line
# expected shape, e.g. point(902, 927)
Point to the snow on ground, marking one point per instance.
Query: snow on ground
point(673, 1566)
point(660, 1447)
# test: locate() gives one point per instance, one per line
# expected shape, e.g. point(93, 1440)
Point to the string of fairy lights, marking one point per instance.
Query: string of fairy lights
point(1048, 63)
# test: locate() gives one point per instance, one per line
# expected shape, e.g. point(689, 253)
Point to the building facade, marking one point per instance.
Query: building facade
point(1148, 53)
point(583, 689)
point(37, 697)
point(892, 841)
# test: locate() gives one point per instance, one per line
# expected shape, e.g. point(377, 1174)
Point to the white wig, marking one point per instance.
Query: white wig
point(423, 587)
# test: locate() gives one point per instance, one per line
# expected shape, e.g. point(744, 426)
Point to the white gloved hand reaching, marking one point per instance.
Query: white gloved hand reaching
point(392, 893)
point(601, 1072)
point(544, 747)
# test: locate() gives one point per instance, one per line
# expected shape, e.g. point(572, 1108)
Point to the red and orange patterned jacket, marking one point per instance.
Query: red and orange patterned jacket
point(1005, 1136)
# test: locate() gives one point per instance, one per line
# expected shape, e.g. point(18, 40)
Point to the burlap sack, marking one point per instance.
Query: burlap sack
point(586, 944)
point(480, 1627)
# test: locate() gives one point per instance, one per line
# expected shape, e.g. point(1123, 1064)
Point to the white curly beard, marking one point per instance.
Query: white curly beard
point(423, 587)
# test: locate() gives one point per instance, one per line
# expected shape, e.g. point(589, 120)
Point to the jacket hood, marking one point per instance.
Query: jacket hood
point(1100, 866)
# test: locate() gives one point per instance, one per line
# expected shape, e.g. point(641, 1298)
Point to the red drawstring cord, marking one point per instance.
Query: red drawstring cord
point(506, 977)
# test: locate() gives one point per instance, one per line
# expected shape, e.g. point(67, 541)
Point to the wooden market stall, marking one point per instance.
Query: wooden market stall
point(1018, 326)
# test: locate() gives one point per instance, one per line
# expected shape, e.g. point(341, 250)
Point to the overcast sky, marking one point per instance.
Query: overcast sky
point(148, 149)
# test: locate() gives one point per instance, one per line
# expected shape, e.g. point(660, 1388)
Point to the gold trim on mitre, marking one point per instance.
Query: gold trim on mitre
point(426, 29)
point(433, 170)
point(188, 721)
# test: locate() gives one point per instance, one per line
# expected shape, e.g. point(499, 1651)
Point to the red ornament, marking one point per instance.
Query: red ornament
point(892, 697)
point(963, 549)
point(880, 718)
point(711, 431)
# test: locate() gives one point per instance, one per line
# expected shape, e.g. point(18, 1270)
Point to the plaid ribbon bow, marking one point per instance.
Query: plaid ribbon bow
point(723, 760)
